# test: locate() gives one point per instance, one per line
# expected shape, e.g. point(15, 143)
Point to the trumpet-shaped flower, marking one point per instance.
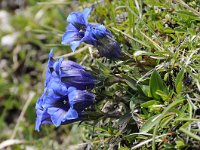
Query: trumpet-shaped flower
point(55, 108)
point(77, 99)
point(79, 30)
point(72, 74)
point(76, 28)
point(98, 36)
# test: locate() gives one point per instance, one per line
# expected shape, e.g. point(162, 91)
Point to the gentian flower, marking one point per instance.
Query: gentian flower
point(72, 74)
point(76, 28)
point(61, 102)
point(79, 30)
point(57, 109)
point(77, 99)
point(98, 36)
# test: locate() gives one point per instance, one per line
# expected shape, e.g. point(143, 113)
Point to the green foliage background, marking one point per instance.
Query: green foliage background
point(153, 97)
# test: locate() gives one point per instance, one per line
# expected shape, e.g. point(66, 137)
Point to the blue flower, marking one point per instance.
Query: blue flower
point(69, 73)
point(72, 74)
point(61, 102)
point(59, 108)
point(79, 30)
point(57, 113)
point(80, 100)
point(54, 92)
point(71, 107)
point(76, 28)
point(98, 36)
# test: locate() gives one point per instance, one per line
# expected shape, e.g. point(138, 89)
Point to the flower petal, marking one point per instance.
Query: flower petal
point(42, 118)
point(89, 38)
point(80, 100)
point(86, 13)
point(56, 115)
point(72, 28)
point(77, 19)
point(71, 114)
point(71, 36)
point(71, 88)
point(74, 45)
point(77, 78)
point(69, 65)
point(51, 60)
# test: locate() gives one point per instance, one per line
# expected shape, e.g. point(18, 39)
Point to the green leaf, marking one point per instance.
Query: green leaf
point(103, 68)
point(149, 103)
point(145, 89)
point(165, 121)
point(138, 100)
point(163, 95)
point(187, 14)
point(132, 106)
point(179, 81)
point(149, 124)
point(156, 83)
point(130, 81)
point(180, 144)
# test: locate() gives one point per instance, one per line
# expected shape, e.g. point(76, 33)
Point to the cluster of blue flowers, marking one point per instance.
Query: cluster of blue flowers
point(79, 30)
point(65, 97)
